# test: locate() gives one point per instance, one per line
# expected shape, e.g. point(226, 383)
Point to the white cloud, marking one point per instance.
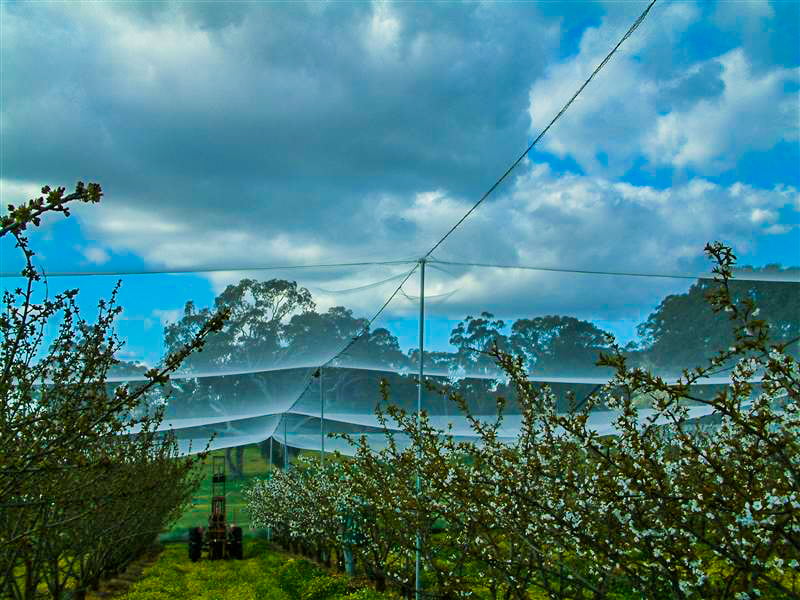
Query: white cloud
point(754, 112)
point(96, 255)
point(542, 219)
point(383, 28)
point(168, 242)
point(761, 215)
point(608, 116)
point(592, 223)
point(17, 192)
point(541, 216)
point(167, 316)
point(704, 115)
point(779, 229)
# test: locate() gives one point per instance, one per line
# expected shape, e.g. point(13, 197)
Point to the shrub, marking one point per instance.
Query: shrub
point(295, 575)
point(324, 587)
point(367, 594)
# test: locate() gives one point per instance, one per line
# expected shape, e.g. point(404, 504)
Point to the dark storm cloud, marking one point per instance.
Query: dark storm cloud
point(243, 134)
point(279, 116)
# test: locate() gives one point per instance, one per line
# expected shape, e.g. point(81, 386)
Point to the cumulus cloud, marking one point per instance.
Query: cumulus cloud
point(275, 115)
point(705, 115)
point(602, 130)
point(593, 223)
point(95, 255)
point(251, 134)
point(754, 112)
point(17, 192)
point(544, 220)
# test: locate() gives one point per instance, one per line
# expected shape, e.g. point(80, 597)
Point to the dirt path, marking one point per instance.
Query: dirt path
point(119, 585)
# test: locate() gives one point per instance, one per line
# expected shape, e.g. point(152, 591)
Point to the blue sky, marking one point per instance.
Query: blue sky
point(246, 134)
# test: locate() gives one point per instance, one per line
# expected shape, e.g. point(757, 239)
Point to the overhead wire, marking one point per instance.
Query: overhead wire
point(350, 343)
point(497, 183)
point(360, 288)
point(780, 277)
point(238, 269)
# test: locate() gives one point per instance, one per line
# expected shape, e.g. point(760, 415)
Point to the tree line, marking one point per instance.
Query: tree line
point(274, 325)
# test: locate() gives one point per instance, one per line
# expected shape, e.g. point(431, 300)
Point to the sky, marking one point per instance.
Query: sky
point(241, 135)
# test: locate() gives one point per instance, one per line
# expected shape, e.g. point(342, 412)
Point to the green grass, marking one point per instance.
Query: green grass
point(175, 577)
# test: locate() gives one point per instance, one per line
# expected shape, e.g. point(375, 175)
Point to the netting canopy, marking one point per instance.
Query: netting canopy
point(305, 349)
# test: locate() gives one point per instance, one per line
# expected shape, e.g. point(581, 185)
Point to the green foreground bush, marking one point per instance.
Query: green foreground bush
point(295, 574)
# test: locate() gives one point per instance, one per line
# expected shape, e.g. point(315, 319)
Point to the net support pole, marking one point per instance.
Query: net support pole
point(285, 447)
point(269, 475)
point(418, 558)
point(321, 420)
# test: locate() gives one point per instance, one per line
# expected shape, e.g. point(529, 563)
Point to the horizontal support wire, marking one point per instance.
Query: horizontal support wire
point(9, 274)
point(790, 276)
point(784, 276)
point(433, 372)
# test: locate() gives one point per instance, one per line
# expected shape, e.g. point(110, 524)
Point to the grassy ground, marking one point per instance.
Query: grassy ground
point(175, 577)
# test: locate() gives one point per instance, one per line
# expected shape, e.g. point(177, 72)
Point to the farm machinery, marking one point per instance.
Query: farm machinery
point(219, 539)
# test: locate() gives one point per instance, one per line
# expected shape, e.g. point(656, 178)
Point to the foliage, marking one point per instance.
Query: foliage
point(367, 594)
point(667, 507)
point(324, 587)
point(259, 576)
point(295, 574)
point(80, 463)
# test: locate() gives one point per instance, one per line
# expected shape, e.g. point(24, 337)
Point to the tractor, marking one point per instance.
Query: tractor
point(219, 539)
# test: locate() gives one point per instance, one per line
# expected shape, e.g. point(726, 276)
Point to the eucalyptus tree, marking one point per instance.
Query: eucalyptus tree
point(685, 329)
point(251, 346)
point(558, 345)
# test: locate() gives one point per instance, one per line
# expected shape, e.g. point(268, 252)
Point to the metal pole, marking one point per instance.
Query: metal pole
point(285, 447)
point(418, 570)
point(269, 474)
point(321, 420)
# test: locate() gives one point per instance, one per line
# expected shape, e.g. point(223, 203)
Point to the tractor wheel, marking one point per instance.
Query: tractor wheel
point(195, 551)
point(195, 544)
point(235, 547)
